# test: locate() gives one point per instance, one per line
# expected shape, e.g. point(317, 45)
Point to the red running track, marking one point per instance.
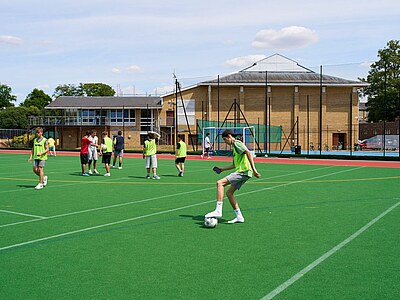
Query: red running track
point(273, 160)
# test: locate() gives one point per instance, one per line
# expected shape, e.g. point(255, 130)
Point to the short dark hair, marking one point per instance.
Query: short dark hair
point(227, 132)
point(119, 132)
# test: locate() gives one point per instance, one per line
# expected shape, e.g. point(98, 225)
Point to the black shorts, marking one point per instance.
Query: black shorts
point(106, 158)
point(84, 159)
point(180, 160)
point(207, 149)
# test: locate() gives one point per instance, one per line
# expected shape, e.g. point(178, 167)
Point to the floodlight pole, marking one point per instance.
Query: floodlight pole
point(320, 111)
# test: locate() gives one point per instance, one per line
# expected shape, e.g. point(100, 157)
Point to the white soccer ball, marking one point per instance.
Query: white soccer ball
point(210, 222)
point(103, 147)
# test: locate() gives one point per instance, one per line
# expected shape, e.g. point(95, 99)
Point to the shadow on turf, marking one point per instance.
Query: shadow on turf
point(200, 220)
point(26, 186)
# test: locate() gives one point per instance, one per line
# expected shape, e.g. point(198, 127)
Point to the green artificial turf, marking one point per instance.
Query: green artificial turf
point(127, 237)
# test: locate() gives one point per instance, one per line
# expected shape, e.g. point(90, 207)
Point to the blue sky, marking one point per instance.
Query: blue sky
point(136, 46)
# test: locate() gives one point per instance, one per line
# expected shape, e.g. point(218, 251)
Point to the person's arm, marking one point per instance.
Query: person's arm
point(251, 160)
point(30, 157)
point(230, 167)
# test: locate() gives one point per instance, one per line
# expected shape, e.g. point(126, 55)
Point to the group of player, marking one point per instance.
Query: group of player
point(243, 163)
point(91, 150)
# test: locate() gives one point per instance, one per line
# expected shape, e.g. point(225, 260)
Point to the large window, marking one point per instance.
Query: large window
point(119, 116)
point(146, 120)
point(190, 112)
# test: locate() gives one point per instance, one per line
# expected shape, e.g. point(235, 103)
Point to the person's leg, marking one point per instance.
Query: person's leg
point(217, 213)
point(90, 166)
point(36, 170)
point(232, 199)
point(41, 174)
point(182, 168)
point(120, 161)
point(155, 176)
point(114, 160)
point(95, 166)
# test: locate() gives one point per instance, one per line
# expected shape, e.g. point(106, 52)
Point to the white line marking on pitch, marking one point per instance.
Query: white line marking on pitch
point(316, 262)
point(22, 214)
point(155, 198)
point(101, 226)
point(121, 221)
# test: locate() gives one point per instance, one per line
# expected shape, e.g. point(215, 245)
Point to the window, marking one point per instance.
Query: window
point(146, 120)
point(122, 116)
point(190, 112)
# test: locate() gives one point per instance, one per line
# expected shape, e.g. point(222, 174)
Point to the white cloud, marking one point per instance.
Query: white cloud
point(43, 87)
point(134, 69)
point(13, 40)
point(164, 89)
point(116, 70)
point(287, 38)
point(244, 61)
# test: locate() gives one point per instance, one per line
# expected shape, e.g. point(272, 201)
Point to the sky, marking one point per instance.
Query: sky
point(137, 46)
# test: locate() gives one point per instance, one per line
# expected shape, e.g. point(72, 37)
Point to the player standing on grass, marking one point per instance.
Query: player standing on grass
point(118, 145)
point(52, 146)
point(84, 154)
point(106, 150)
point(39, 154)
point(207, 146)
point(150, 153)
point(180, 156)
point(93, 152)
point(243, 164)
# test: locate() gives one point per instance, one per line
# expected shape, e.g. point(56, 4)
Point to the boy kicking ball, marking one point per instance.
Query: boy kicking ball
point(243, 164)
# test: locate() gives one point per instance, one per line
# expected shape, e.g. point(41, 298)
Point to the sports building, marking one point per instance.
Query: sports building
point(311, 109)
point(285, 103)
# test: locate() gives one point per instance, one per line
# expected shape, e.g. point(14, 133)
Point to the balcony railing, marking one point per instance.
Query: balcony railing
point(78, 121)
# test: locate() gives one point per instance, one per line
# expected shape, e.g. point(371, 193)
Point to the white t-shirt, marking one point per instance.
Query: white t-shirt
point(94, 140)
point(207, 143)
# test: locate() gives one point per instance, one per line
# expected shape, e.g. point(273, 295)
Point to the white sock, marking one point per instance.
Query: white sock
point(219, 207)
point(238, 213)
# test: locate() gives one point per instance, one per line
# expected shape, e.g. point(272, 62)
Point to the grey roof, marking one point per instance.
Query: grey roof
point(257, 78)
point(77, 102)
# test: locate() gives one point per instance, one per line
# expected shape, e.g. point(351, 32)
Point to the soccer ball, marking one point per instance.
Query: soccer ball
point(210, 222)
point(103, 147)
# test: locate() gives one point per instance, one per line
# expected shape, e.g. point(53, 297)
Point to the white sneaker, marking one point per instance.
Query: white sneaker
point(213, 214)
point(39, 186)
point(95, 171)
point(236, 220)
point(119, 168)
point(107, 174)
point(90, 172)
point(45, 180)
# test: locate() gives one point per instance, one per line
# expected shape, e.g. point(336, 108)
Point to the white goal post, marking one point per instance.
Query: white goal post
point(245, 134)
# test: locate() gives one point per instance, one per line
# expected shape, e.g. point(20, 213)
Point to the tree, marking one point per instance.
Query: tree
point(5, 97)
point(67, 90)
point(37, 98)
point(84, 89)
point(97, 89)
point(13, 117)
point(384, 89)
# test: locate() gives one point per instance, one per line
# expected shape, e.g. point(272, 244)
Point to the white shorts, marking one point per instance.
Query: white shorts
point(237, 179)
point(151, 161)
point(92, 154)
